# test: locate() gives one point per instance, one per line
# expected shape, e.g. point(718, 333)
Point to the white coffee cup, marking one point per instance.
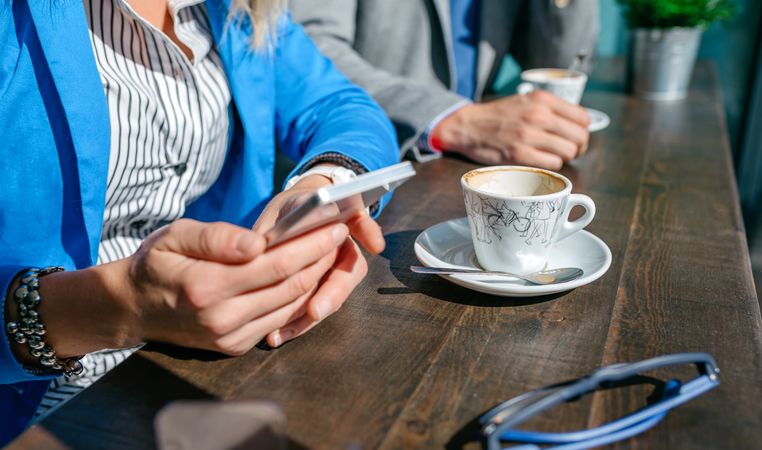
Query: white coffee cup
point(517, 214)
point(565, 84)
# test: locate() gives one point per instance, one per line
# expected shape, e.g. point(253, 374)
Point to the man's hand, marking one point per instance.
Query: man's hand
point(537, 129)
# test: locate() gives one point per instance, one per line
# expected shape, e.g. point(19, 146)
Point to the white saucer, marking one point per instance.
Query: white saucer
point(598, 120)
point(448, 244)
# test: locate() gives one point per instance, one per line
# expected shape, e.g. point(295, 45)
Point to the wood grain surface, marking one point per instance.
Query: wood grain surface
point(411, 361)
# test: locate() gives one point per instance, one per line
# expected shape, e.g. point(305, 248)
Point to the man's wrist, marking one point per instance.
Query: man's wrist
point(450, 134)
point(441, 133)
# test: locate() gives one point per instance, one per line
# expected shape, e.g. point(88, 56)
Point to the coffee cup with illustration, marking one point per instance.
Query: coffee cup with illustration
point(569, 85)
point(517, 214)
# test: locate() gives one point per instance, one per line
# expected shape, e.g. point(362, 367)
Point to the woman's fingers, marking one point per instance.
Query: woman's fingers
point(280, 262)
point(350, 268)
point(367, 232)
point(241, 322)
point(283, 204)
point(288, 258)
point(244, 338)
point(291, 331)
point(231, 314)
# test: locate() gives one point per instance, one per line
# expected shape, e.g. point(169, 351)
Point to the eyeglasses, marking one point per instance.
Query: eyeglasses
point(498, 423)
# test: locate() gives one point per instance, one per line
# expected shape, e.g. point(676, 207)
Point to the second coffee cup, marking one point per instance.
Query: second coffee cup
point(517, 213)
point(569, 85)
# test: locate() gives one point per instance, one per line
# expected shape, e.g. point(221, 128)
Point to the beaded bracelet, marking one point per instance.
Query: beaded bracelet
point(28, 328)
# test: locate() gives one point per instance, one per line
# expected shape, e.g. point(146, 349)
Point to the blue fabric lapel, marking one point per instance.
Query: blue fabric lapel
point(242, 64)
point(62, 30)
point(229, 35)
point(251, 79)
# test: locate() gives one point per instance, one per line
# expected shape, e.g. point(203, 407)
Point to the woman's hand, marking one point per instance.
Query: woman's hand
point(208, 285)
point(204, 285)
point(349, 267)
point(213, 286)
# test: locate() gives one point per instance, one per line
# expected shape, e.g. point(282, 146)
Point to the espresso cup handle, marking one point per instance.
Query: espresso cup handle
point(567, 227)
point(525, 88)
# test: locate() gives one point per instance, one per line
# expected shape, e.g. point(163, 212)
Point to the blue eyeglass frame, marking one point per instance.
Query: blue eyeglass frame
point(498, 422)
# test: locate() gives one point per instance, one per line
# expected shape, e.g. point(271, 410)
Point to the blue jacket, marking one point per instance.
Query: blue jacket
point(54, 143)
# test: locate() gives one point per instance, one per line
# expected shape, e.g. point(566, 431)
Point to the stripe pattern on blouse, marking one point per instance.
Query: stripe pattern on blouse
point(169, 117)
point(170, 122)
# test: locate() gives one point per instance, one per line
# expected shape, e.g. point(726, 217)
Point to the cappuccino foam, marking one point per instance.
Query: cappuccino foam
point(515, 182)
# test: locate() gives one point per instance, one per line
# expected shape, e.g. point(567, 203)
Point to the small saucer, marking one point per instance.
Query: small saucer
point(598, 120)
point(448, 244)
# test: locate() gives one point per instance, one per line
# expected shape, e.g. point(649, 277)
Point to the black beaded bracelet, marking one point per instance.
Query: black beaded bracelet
point(28, 328)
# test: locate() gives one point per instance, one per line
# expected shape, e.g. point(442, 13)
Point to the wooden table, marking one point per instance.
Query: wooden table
point(411, 361)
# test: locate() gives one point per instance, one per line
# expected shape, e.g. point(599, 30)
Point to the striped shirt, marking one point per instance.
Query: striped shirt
point(170, 126)
point(169, 117)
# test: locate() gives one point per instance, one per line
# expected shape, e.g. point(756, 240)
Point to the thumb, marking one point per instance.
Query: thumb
point(219, 241)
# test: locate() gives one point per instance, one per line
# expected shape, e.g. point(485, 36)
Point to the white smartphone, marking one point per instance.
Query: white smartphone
point(339, 202)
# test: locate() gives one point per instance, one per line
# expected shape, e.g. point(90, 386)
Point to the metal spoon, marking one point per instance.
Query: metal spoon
point(552, 276)
point(576, 64)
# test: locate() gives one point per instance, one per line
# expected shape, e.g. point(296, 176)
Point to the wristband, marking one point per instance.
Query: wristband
point(336, 174)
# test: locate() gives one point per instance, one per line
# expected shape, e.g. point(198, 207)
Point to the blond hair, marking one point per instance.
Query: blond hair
point(263, 15)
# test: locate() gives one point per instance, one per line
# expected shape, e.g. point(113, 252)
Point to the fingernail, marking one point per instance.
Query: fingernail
point(245, 241)
point(321, 309)
point(277, 340)
point(284, 335)
point(339, 234)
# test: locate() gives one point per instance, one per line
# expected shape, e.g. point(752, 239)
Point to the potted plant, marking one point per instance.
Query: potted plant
point(664, 41)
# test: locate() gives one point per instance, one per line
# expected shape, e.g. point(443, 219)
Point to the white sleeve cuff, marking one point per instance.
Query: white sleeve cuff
point(424, 141)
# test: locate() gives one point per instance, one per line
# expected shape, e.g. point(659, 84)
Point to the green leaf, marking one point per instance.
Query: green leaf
point(676, 13)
